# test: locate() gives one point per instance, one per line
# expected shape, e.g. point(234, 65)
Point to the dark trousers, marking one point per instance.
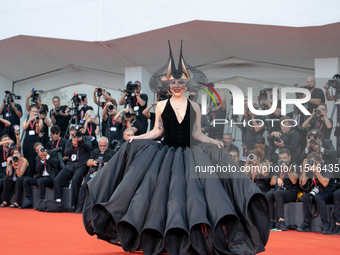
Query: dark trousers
point(279, 197)
point(9, 184)
point(321, 200)
point(41, 183)
point(63, 177)
point(336, 197)
point(82, 193)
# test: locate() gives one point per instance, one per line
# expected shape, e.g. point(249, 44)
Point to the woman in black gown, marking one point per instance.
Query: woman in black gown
point(150, 196)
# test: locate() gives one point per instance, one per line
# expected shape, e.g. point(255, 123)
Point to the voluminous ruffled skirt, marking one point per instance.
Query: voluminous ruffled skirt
point(153, 198)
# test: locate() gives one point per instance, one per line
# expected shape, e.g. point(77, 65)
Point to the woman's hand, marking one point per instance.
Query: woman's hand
point(131, 138)
point(219, 144)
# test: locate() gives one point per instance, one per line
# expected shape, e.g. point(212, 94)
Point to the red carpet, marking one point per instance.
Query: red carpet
point(32, 232)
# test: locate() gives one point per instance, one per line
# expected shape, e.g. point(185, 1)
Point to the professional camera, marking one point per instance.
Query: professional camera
point(299, 94)
point(11, 146)
point(130, 87)
point(100, 92)
point(37, 117)
point(281, 162)
point(35, 95)
point(76, 100)
point(310, 162)
point(314, 191)
point(252, 157)
point(110, 107)
point(43, 110)
point(100, 162)
point(15, 159)
point(277, 139)
point(129, 114)
point(41, 149)
point(264, 93)
point(77, 134)
point(10, 97)
point(335, 83)
point(313, 142)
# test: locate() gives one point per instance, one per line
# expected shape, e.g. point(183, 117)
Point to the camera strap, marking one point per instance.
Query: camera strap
point(320, 124)
point(89, 130)
point(57, 143)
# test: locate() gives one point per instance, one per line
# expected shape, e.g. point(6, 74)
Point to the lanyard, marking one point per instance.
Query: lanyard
point(75, 149)
point(113, 122)
point(89, 130)
point(135, 99)
point(5, 154)
point(320, 126)
point(57, 143)
point(32, 126)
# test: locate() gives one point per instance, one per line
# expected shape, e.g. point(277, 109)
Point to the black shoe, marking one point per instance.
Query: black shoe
point(272, 224)
point(79, 210)
point(336, 231)
point(305, 227)
point(26, 206)
point(282, 225)
point(326, 229)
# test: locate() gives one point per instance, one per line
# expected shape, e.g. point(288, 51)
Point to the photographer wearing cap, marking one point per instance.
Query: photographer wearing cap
point(60, 115)
point(286, 187)
point(317, 180)
point(11, 112)
point(256, 169)
point(47, 168)
point(324, 147)
point(98, 158)
point(319, 120)
point(137, 101)
point(286, 138)
point(17, 170)
point(78, 150)
point(317, 95)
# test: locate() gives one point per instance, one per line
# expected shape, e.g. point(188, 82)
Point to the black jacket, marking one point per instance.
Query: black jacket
point(329, 154)
point(52, 164)
point(82, 153)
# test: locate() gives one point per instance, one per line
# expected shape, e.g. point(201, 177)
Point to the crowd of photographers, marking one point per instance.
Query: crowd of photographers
point(69, 144)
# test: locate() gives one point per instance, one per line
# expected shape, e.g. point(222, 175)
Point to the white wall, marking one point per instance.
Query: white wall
point(5, 84)
point(96, 20)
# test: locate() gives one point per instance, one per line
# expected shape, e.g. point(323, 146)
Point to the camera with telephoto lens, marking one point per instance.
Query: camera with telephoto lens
point(41, 149)
point(310, 162)
point(128, 114)
point(77, 134)
point(314, 191)
point(100, 165)
point(15, 159)
point(313, 142)
point(264, 93)
point(37, 116)
point(35, 95)
point(11, 146)
point(111, 107)
point(43, 110)
point(335, 83)
point(10, 97)
point(130, 87)
point(100, 92)
point(252, 157)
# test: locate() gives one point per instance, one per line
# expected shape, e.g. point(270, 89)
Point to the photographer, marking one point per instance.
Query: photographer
point(83, 106)
point(228, 142)
point(36, 100)
point(32, 129)
point(235, 154)
point(269, 154)
point(317, 95)
point(249, 132)
point(57, 141)
point(47, 168)
point(113, 126)
point(328, 95)
point(60, 115)
point(136, 101)
point(265, 104)
point(256, 169)
point(44, 133)
point(286, 187)
point(324, 147)
point(17, 170)
point(318, 181)
point(98, 158)
point(11, 112)
point(91, 128)
point(286, 138)
point(319, 120)
point(129, 120)
point(78, 150)
point(336, 197)
point(6, 144)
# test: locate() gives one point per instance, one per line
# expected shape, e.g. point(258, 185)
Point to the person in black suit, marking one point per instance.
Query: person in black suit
point(324, 147)
point(98, 158)
point(78, 150)
point(47, 168)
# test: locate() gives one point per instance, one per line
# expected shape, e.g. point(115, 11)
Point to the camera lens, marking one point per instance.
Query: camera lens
point(15, 159)
point(42, 150)
point(313, 142)
point(278, 140)
point(128, 115)
point(251, 157)
point(77, 134)
point(111, 107)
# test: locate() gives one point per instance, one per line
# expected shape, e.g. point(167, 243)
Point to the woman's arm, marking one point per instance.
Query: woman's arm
point(22, 168)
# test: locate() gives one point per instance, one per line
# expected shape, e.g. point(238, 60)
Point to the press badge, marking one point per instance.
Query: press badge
point(136, 108)
point(74, 157)
point(7, 114)
point(31, 132)
point(113, 129)
point(4, 164)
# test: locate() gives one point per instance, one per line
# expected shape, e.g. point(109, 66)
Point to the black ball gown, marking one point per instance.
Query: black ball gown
point(149, 196)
